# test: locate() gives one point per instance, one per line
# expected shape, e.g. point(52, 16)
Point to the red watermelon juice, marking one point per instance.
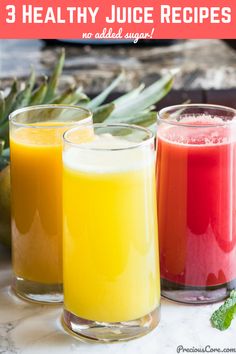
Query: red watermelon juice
point(196, 176)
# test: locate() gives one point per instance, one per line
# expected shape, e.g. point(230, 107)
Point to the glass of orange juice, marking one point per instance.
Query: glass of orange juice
point(36, 194)
point(110, 246)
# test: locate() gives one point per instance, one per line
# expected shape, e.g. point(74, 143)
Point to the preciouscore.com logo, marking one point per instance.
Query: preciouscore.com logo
point(206, 349)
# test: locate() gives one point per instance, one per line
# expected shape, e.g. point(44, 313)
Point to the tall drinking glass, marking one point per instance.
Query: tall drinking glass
point(196, 172)
point(110, 250)
point(36, 193)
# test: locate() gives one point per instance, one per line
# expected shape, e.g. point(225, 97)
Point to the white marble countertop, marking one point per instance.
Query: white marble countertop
point(35, 329)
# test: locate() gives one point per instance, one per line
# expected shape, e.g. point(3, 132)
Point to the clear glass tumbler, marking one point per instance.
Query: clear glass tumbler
point(110, 246)
point(196, 174)
point(36, 194)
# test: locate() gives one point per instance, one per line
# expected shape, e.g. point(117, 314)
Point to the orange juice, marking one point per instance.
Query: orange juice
point(36, 176)
point(111, 271)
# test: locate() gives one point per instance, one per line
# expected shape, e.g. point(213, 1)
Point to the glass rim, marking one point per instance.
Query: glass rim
point(196, 105)
point(17, 112)
point(149, 133)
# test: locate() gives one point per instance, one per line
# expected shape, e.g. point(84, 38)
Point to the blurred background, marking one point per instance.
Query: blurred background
point(206, 68)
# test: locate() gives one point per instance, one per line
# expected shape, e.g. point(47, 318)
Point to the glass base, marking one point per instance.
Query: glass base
point(92, 331)
point(38, 292)
point(195, 295)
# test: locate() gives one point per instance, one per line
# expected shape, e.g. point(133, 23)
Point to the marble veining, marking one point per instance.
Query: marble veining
point(26, 328)
point(202, 63)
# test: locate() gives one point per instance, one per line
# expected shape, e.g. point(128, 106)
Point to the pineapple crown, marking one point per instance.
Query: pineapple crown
point(135, 107)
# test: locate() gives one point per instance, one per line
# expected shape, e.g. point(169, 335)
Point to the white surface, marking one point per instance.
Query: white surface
point(26, 328)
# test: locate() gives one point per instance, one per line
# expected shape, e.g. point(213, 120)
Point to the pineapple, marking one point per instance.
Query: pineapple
point(5, 211)
point(135, 107)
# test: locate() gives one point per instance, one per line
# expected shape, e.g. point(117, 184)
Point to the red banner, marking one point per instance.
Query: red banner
point(118, 19)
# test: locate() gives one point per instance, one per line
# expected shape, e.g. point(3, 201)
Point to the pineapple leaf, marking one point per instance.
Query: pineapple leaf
point(80, 97)
point(98, 100)
point(4, 158)
point(9, 100)
point(101, 113)
point(144, 119)
point(135, 107)
point(1, 146)
point(126, 97)
point(2, 106)
point(4, 132)
point(72, 95)
point(23, 97)
point(53, 82)
point(64, 97)
point(6, 153)
point(146, 98)
point(39, 94)
point(3, 162)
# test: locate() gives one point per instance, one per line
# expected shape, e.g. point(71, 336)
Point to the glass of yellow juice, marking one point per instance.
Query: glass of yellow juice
point(110, 246)
point(36, 195)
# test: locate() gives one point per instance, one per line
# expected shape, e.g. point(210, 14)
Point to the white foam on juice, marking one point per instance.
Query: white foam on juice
point(97, 157)
point(203, 119)
point(198, 131)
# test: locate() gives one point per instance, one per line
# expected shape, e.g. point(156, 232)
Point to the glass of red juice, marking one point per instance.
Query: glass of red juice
point(196, 192)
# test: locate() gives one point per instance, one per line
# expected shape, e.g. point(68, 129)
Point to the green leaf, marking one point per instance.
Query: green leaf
point(72, 95)
point(222, 318)
point(6, 153)
point(9, 100)
point(101, 113)
point(143, 118)
point(53, 82)
point(3, 163)
point(1, 146)
point(79, 97)
point(97, 101)
point(128, 96)
point(2, 106)
point(4, 133)
point(39, 94)
point(64, 96)
point(23, 97)
point(146, 98)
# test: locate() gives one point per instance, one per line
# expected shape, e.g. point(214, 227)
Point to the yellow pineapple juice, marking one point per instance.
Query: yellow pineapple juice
point(110, 262)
